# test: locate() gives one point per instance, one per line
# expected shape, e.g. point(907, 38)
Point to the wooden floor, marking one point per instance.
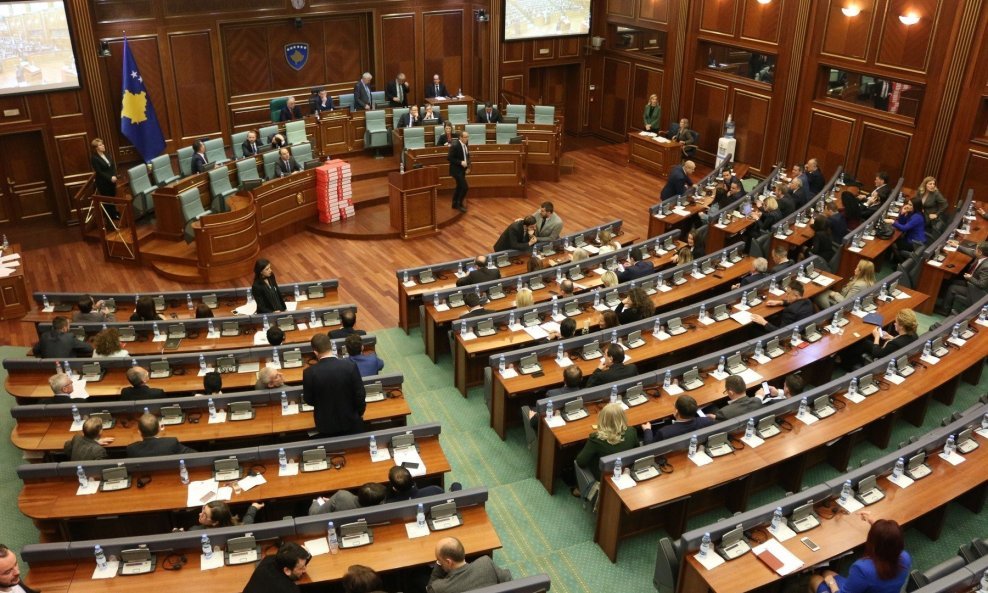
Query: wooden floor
point(603, 186)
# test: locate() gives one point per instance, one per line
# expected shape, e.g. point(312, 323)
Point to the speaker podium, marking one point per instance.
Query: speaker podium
point(412, 197)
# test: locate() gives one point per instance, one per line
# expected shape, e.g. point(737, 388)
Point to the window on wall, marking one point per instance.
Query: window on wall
point(737, 61)
point(883, 94)
point(641, 41)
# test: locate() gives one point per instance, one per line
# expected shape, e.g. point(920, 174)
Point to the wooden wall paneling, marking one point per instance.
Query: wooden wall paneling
point(65, 104)
point(146, 53)
point(975, 175)
point(198, 113)
point(646, 80)
point(848, 37)
point(654, 11)
point(113, 11)
point(829, 140)
point(398, 53)
point(614, 105)
point(909, 47)
point(569, 47)
point(881, 149)
point(245, 49)
point(761, 22)
point(442, 34)
point(514, 83)
point(625, 8)
point(513, 52)
point(176, 8)
point(73, 152)
point(542, 49)
point(320, 34)
point(346, 40)
point(718, 16)
point(18, 104)
point(708, 113)
point(752, 111)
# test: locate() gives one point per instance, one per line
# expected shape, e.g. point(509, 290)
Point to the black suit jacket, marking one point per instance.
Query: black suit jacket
point(618, 371)
point(267, 297)
point(513, 237)
point(455, 158)
point(787, 203)
point(403, 120)
point(793, 312)
point(752, 278)
point(105, 170)
point(142, 391)
point(677, 184)
point(198, 162)
point(61, 345)
point(891, 346)
point(268, 578)
point(475, 313)
point(249, 149)
point(282, 168)
point(157, 447)
point(815, 182)
point(494, 118)
point(479, 275)
point(287, 114)
point(339, 334)
point(680, 428)
point(391, 91)
point(362, 98)
point(444, 141)
point(318, 105)
point(430, 91)
point(334, 388)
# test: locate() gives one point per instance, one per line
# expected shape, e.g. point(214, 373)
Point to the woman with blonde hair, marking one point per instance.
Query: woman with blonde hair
point(652, 118)
point(524, 298)
point(609, 279)
point(770, 214)
point(683, 256)
point(606, 242)
point(613, 435)
point(863, 279)
point(932, 201)
point(579, 255)
point(905, 324)
point(107, 345)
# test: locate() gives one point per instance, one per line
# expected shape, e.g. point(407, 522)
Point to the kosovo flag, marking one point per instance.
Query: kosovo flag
point(138, 121)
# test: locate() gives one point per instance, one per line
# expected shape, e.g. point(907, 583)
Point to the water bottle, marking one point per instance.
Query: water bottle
point(614, 394)
point(334, 544)
point(772, 286)
point(212, 409)
point(617, 469)
point(202, 362)
point(154, 328)
point(794, 339)
point(801, 272)
point(704, 545)
point(276, 358)
point(420, 516)
point(548, 410)
point(6, 243)
point(81, 474)
point(596, 237)
point(282, 459)
point(183, 472)
point(435, 300)
point(857, 304)
point(511, 319)
point(703, 311)
point(373, 446)
point(759, 349)
point(950, 446)
point(846, 491)
point(501, 364)
point(76, 416)
point(614, 338)
point(777, 519)
point(956, 331)
point(404, 277)
point(101, 557)
point(984, 422)
point(188, 301)
point(749, 430)
point(66, 368)
point(209, 327)
point(693, 446)
point(250, 295)
point(147, 410)
point(900, 467)
point(565, 243)
point(104, 327)
point(133, 362)
point(804, 408)
point(490, 262)
point(207, 548)
point(656, 328)
point(696, 269)
point(883, 293)
point(983, 315)
point(312, 318)
point(560, 352)
point(519, 285)
point(928, 348)
point(852, 389)
point(284, 402)
point(535, 252)
point(459, 92)
point(667, 380)
point(721, 364)
point(890, 369)
point(559, 275)
point(555, 305)
point(266, 323)
point(44, 301)
point(298, 292)
point(463, 328)
point(744, 299)
point(835, 323)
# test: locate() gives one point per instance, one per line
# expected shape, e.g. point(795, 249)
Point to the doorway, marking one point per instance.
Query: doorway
point(561, 87)
point(25, 185)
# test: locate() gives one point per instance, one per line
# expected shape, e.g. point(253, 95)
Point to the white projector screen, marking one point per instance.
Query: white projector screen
point(35, 48)
point(536, 19)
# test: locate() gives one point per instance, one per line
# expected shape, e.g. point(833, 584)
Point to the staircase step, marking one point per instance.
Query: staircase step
point(178, 272)
point(166, 250)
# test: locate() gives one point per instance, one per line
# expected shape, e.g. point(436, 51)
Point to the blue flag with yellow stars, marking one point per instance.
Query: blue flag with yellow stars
point(138, 121)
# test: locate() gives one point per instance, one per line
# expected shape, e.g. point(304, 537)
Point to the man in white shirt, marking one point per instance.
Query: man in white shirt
point(10, 575)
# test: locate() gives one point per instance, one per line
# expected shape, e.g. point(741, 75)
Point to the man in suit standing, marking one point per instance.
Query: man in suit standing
point(814, 178)
point(684, 420)
point(437, 89)
point(679, 180)
point(139, 388)
point(548, 224)
point(61, 343)
point(290, 111)
point(287, 164)
point(459, 165)
point(489, 115)
point(199, 158)
point(249, 147)
point(88, 446)
point(397, 91)
point(410, 119)
point(152, 445)
point(362, 98)
point(973, 284)
point(519, 235)
point(453, 574)
point(740, 403)
point(333, 387)
point(796, 307)
point(479, 273)
point(612, 367)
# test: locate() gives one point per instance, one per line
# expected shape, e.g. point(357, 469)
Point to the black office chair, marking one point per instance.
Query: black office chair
point(921, 578)
point(667, 566)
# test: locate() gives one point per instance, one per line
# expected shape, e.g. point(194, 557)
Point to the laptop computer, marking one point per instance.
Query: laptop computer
point(649, 286)
point(115, 478)
point(735, 364)
point(171, 415)
point(635, 396)
point(495, 292)
point(455, 300)
point(373, 392)
point(612, 299)
point(591, 351)
point(811, 333)
point(241, 550)
point(159, 369)
point(536, 283)
point(485, 327)
point(426, 277)
point(502, 261)
point(903, 367)
point(530, 318)
point(773, 349)
point(674, 327)
point(226, 364)
point(159, 302)
point(677, 278)
point(314, 460)
point(822, 407)
point(965, 440)
point(720, 312)
point(867, 385)
point(752, 298)
point(575, 273)
point(93, 372)
point(444, 516)
point(291, 359)
point(916, 468)
point(635, 340)
point(315, 291)
point(241, 411)
point(127, 333)
point(286, 324)
point(331, 318)
point(226, 469)
point(571, 309)
point(356, 534)
point(137, 561)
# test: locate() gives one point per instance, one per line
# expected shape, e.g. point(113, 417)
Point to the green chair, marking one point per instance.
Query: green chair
point(414, 137)
point(545, 114)
point(237, 144)
point(376, 133)
point(141, 189)
point(295, 132)
point(270, 158)
point(518, 111)
point(215, 151)
point(185, 161)
point(219, 186)
point(505, 132)
point(439, 132)
point(161, 170)
point(396, 115)
point(346, 101)
point(192, 211)
point(457, 114)
point(302, 153)
point(478, 133)
point(247, 170)
point(377, 97)
point(276, 105)
point(266, 133)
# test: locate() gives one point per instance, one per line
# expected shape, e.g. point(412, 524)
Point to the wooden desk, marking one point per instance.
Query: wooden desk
point(653, 155)
point(718, 237)
point(412, 201)
point(14, 299)
point(873, 251)
point(558, 445)
point(496, 170)
point(284, 203)
point(661, 224)
point(443, 104)
point(933, 277)
point(512, 393)
point(799, 237)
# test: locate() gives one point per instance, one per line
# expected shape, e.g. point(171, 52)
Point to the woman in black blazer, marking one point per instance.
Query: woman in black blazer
point(106, 174)
point(265, 289)
point(905, 329)
point(823, 243)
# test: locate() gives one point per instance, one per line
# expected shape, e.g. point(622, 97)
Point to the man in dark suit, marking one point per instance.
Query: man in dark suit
point(459, 165)
point(679, 180)
point(475, 307)
point(453, 574)
point(333, 387)
point(795, 308)
point(152, 445)
point(61, 343)
point(794, 198)
point(397, 91)
point(612, 367)
point(760, 266)
point(572, 380)
point(479, 273)
point(740, 403)
point(436, 89)
point(61, 387)
point(10, 575)
point(489, 115)
point(973, 284)
point(519, 235)
point(323, 101)
point(87, 446)
point(139, 389)
point(199, 158)
point(348, 319)
point(362, 98)
point(286, 164)
point(877, 196)
point(836, 220)
point(410, 119)
point(290, 111)
point(431, 117)
point(780, 259)
point(684, 420)
point(635, 267)
point(814, 178)
point(278, 573)
point(249, 147)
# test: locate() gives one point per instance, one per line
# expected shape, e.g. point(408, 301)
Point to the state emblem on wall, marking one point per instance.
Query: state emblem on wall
point(297, 55)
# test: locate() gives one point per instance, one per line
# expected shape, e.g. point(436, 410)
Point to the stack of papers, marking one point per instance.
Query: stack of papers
point(410, 454)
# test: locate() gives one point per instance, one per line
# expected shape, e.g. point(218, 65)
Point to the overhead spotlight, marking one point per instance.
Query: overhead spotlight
point(764, 1)
point(851, 10)
point(909, 19)
point(481, 16)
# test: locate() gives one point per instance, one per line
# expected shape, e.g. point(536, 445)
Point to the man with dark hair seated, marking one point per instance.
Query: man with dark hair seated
point(475, 306)
point(348, 319)
point(793, 385)
point(401, 486)
point(10, 575)
point(212, 383)
point(61, 343)
point(279, 573)
point(92, 311)
point(684, 420)
point(276, 337)
point(153, 445)
point(612, 367)
point(88, 446)
point(368, 364)
point(796, 307)
point(369, 495)
point(740, 403)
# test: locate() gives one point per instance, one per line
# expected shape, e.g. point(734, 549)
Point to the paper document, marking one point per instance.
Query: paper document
point(201, 492)
point(777, 557)
point(410, 454)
